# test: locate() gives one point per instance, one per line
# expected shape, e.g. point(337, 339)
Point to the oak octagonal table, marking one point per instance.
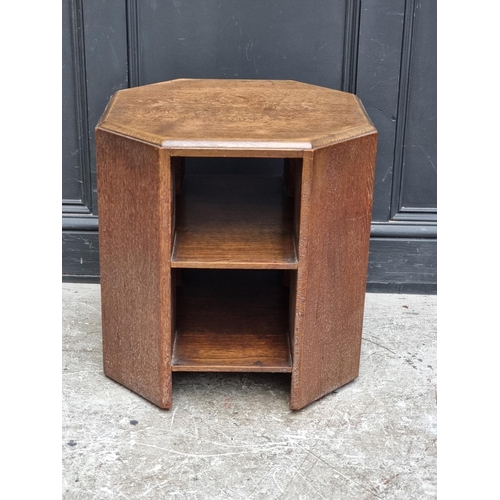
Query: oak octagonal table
point(234, 272)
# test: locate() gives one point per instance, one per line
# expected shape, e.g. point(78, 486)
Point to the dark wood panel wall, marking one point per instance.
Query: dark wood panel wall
point(382, 50)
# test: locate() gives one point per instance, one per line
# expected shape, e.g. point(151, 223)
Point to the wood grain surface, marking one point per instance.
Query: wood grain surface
point(236, 114)
point(232, 321)
point(336, 203)
point(135, 190)
point(234, 221)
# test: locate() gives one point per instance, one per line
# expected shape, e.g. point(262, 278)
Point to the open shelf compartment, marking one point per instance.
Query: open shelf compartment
point(231, 320)
point(233, 220)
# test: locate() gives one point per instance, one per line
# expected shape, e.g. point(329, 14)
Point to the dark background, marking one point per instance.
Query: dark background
point(382, 50)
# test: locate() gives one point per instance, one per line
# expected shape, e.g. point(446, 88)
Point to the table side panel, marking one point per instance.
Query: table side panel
point(134, 189)
point(337, 193)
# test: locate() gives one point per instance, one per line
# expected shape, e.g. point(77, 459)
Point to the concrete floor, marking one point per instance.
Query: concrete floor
point(232, 436)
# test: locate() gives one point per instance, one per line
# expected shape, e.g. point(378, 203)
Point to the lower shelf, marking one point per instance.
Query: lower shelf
point(232, 321)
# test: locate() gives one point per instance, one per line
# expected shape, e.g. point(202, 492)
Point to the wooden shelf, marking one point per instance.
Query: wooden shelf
point(234, 221)
point(232, 321)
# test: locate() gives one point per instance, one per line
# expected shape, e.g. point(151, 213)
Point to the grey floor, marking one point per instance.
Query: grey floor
point(232, 436)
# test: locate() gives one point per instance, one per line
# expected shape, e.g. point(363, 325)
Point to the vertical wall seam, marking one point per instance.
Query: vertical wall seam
point(80, 75)
point(402, 111)
point(351, 45)
point(133, 66)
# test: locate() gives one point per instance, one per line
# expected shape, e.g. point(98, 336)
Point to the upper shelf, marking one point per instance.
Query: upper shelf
point(232, 115)
point(234, 222)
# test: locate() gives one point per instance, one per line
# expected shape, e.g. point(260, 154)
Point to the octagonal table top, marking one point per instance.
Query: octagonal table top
point(236, 114)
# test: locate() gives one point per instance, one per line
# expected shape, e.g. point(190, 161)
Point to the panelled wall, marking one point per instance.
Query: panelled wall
point(382, 50)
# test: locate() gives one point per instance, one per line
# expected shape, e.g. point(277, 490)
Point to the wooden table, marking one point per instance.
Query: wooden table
point(230, 272)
